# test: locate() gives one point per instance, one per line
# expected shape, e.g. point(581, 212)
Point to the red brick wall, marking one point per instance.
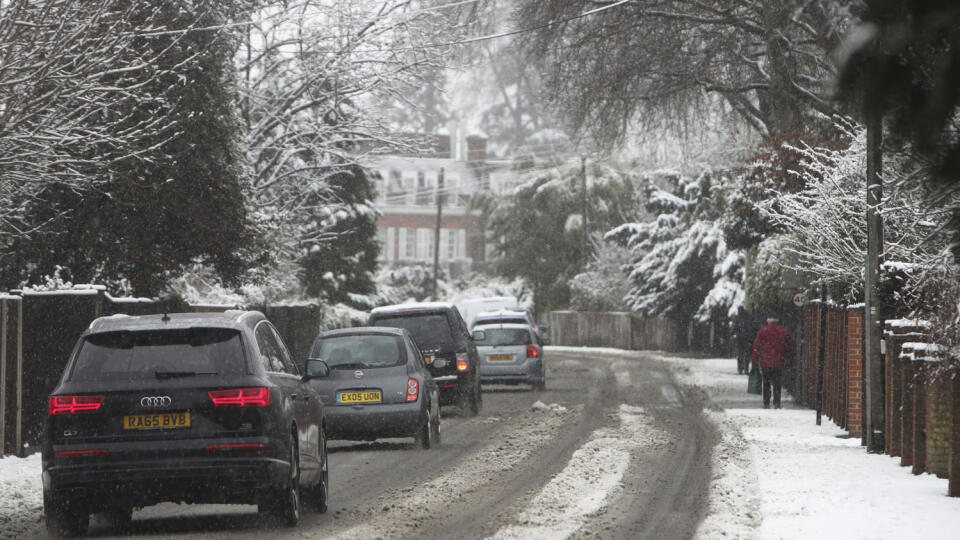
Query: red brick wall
point(855, 372)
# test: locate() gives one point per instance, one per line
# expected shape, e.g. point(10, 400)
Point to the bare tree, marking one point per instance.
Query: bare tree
point(644, 60)
point(70, 73)
point(825, 221)
point(312, 73)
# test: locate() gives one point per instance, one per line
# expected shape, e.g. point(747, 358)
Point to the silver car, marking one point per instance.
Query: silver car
point(510, 354)
point(378, 386)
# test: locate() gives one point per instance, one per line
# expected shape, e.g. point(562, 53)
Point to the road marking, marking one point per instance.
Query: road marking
point(590, 481)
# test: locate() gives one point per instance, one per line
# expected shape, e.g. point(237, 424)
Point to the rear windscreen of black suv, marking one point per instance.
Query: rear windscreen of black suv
point(154, 353)
point(428, 329)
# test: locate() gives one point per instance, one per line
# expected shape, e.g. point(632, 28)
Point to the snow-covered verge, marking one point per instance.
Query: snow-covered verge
point(21, 496)
point(779, 475)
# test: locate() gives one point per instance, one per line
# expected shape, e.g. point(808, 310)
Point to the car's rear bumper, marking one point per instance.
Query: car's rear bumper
point(453, 387)
point(365, 422)
point(95, 486)
point(529, 371)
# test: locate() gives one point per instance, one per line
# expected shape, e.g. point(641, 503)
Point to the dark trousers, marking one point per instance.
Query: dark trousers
point(771, 376)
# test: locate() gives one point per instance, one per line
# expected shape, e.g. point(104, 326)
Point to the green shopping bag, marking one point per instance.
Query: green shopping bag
point(753, 382)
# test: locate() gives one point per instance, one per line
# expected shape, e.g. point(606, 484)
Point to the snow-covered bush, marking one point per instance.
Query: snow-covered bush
point(681, 266)
point(603, 285)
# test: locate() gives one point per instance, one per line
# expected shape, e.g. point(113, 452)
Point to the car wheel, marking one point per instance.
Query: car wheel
point(477, 402)
point(284, 506)
point(319, 494)
point(540, 386)
point(435, 431)
point(469, 402)
point(63, 521)
point(423, 437)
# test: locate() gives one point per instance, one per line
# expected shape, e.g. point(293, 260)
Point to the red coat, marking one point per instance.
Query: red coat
point(772, 346)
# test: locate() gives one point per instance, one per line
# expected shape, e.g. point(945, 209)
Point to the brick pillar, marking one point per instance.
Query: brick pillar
point(938, 418)
point(954, 404)
point(906, 406)
point(854, 371)
point(919, 416)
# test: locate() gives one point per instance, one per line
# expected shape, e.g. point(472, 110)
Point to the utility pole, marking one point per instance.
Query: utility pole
point(436, 234)
point(583, 215)
point(821, 346)
point(873, 436)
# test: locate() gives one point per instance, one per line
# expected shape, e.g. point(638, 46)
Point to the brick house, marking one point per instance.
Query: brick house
point(406, 196)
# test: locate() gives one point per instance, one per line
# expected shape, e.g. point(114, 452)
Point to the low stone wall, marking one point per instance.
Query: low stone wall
point(611, 329)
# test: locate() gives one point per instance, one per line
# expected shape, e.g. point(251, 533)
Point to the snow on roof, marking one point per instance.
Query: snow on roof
point(61, 292)
point(908, 323)
point(413, 305)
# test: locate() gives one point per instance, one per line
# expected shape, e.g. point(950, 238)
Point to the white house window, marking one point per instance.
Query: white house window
point(425, 244)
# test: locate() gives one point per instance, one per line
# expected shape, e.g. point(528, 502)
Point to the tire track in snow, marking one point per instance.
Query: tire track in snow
point(591, 480)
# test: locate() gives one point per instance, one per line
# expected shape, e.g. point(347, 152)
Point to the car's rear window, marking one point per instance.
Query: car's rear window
point(359, 351)
point(152, 354)
point(504, 336)
point(501, 320)
point(428, 329)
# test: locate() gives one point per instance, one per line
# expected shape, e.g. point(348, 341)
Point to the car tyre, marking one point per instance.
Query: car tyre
point(63, 521)
point(540, 386)
point(471, 401)
point(424, 430)
point(435, 430)
point(319, 494)
point(284, 506)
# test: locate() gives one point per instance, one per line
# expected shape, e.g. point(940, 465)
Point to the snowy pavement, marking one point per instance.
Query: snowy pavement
point(779, 475)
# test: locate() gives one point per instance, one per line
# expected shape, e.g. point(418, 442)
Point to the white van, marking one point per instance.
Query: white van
point(472, 306)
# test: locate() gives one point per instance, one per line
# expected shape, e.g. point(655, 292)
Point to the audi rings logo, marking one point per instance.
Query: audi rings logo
point(155, 401)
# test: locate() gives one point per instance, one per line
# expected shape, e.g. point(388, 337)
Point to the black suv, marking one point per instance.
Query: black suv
point(186, 407)
point(447, 346)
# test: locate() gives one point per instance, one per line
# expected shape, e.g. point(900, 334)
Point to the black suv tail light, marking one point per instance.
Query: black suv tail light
point(241, 397)
point(75, 404)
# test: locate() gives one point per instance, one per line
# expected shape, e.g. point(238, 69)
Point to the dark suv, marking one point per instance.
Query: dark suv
point(186, 407)
point(447, 346)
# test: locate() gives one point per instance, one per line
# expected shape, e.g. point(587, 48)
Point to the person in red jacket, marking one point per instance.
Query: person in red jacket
point(771, 350)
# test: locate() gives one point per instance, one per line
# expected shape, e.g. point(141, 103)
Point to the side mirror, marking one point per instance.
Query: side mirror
point(479, 335)
point(316, 369)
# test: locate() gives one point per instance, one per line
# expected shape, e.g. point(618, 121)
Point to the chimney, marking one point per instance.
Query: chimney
point(476, 148)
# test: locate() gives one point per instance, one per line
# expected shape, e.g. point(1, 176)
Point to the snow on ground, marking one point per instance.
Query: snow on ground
point(21, 503)
point(588, 483)
point(779, 475)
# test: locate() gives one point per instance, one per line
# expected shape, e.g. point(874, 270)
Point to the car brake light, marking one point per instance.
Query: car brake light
point(75, 404)
point(532, 351)
point(239, 446)
point(413, 389)
point(241, 397)
point(80, 453)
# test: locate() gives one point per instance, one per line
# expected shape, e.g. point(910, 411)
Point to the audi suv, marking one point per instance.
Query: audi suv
point(188, 407)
